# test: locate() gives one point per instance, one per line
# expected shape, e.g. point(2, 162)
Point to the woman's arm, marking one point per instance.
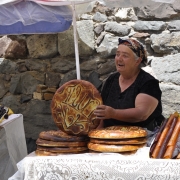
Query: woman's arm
point(144, 107)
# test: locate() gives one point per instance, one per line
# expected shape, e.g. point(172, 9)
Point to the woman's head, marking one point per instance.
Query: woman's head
point(136, 47)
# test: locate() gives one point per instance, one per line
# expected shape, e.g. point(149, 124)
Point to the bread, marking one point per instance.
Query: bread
point(62, 149)
point(45, 153)
point(72, 107)
point(118, 132)
point(113, 148)
point(123, 153)
point(46, 143)
point(48, 153)
point(142, 140)
point(60, 136)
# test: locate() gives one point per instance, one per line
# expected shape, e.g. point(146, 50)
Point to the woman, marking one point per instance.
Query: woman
point(130, 96)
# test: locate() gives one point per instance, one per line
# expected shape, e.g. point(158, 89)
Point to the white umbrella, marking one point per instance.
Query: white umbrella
point(80, 4)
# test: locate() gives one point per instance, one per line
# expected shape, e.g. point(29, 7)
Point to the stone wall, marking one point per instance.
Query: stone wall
point(34, 66)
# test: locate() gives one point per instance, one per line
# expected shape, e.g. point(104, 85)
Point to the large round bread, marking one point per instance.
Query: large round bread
point(72, 107)
point(118, 132)
point(119, 141)
point(62, 149)
point(113, 148)
point(60, 136)
point(42, 142)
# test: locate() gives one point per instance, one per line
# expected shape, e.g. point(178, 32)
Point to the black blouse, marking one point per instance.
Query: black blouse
point(144, 83)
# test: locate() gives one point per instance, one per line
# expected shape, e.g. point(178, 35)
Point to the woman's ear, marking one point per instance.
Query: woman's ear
point(138, 61)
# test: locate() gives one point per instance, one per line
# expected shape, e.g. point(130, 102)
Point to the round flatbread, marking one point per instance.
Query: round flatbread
point(45, 153)
point(42, 142)
point(72, 107)
point(118, 132)
point(123, 153)
point(113, 148)
point(61, 136)
point(119, 141)
point(62, 149)
point(48, 153)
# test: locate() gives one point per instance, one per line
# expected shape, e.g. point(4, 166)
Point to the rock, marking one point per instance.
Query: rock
point(16, 50)
point(29, 79)
point(42, 45)
point(4, 43)
point(116, 28)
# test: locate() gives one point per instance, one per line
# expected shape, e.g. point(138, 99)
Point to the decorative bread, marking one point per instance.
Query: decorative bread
point(61, 136)
point(142, 140)
point(62, 149)
point(113, 148)
point(72, 107)
point(118, 132)
point(46, 143)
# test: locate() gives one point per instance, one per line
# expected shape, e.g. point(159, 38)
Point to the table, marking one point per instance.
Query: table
point(97, 166)
point(12, 145)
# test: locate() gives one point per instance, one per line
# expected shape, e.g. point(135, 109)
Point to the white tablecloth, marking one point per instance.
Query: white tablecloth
point(97, 166)
point(12, 145)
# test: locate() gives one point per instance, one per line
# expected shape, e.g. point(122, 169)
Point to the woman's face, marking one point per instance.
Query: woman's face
point(125, 59)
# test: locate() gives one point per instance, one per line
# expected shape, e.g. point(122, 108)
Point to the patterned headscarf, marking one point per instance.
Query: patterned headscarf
point(136, 47)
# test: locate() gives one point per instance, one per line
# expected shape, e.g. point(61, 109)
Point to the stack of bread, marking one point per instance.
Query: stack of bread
point(52, 143)
point(72, 109)
point(117, 139)
point(166, 144)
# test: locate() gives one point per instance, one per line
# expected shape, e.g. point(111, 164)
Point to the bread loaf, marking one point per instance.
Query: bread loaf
point(60, 136)
point(118, 132)
point(142, 140)
point(46, 143)
point(113, 148)
point(62, 149)
point(72, 107)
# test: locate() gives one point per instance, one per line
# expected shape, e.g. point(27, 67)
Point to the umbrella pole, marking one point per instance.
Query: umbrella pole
point(76, 43)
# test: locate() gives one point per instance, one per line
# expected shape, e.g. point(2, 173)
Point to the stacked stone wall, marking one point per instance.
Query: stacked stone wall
point(31, 62)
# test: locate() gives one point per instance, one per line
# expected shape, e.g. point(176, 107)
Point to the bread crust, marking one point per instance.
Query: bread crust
point(123, 153)
point(46, 143)
point(48, 153)
point(45, 153)
point(113, 148)
point(118, 132)
point(62, 149)
point(119, 141)
point(72, 107)
point(59, 136)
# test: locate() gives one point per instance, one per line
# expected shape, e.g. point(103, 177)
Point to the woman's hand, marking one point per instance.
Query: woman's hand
point(104, 112)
